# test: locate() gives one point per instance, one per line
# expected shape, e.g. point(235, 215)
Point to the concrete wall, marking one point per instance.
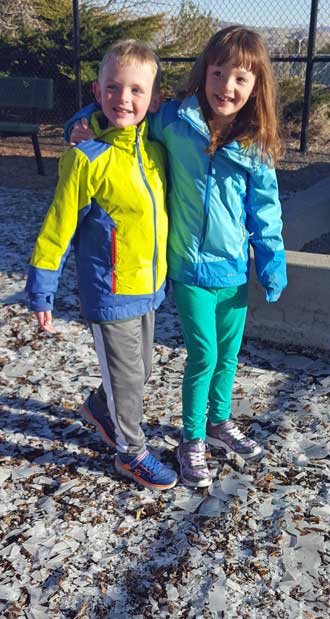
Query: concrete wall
point(306, 216)
point(302, 315)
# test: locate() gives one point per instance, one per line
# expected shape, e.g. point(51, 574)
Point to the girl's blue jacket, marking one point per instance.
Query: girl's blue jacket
point(218, 205)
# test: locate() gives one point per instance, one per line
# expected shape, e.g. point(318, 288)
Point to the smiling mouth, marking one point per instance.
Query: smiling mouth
point(121, 110)
point(224, 99)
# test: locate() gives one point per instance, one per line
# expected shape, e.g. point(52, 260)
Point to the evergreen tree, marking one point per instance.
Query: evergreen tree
point(43, 46)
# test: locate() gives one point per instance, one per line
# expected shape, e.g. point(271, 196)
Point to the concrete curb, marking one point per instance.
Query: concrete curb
point(302, 315)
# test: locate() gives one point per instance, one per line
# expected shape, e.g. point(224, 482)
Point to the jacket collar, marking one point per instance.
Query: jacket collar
point(113, 135)
point(191, 111)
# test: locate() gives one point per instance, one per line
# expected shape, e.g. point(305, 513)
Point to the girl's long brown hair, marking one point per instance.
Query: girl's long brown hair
point(256, 124)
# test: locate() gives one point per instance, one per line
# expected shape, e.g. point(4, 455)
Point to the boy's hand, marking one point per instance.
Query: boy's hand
point(80, 132)
point(45, 321)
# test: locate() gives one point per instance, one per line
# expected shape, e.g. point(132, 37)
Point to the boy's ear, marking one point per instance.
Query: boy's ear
point(96, 90)
point(156, 100)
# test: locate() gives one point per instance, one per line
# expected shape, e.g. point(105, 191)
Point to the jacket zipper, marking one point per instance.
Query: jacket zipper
point(206, 212)
point(206, 207)
point(243, 236)
point(154, 259)
point(205, 134)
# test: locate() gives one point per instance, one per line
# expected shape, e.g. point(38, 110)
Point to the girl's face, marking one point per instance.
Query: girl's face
point(227, 89)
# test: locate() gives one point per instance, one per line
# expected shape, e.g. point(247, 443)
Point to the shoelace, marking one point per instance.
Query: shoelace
point(197, 458)
point(236, 433)
point(151, 463)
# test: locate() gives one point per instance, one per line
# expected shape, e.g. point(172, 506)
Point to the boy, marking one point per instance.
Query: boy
point(110, 204)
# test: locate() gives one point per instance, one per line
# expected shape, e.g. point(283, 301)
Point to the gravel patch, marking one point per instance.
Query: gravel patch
point(77, 541)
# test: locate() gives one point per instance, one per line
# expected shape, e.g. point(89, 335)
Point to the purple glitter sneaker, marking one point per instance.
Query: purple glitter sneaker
point(193, 467)
point(226, 435)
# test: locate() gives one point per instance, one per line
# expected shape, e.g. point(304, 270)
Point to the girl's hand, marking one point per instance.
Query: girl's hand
point(80, 132)
point(45, 321)
point(156, 101)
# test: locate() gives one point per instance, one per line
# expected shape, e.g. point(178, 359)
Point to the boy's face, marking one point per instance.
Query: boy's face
point(125, 91)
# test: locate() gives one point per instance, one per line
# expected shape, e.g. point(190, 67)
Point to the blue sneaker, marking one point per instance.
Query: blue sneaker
point(146, 471)
point(95, 411)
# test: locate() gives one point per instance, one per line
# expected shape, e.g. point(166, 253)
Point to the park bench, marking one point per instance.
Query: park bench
point(20, 100)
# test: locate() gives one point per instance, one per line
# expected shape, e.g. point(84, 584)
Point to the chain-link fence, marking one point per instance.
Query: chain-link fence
point(284, 25)
point(69, 45)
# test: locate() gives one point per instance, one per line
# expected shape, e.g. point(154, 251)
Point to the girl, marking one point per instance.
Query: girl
point(221, 135)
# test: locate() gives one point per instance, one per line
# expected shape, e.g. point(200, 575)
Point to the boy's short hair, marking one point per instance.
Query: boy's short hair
point(132, 49)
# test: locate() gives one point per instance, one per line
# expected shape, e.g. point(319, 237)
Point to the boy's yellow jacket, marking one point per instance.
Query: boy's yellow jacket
point(110, 204)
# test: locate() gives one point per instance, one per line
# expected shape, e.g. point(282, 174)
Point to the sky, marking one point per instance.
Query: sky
point(258, 13)
point(270, 13)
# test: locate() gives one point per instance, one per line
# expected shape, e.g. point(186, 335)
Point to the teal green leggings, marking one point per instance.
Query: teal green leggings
point(212, 321)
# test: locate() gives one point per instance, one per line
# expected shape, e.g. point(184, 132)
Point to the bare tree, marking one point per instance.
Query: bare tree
point(130, 5)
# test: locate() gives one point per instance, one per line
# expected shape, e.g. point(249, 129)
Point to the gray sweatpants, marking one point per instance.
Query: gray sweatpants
point(124, 350)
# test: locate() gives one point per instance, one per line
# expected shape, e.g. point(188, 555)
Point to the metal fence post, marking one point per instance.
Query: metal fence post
point(76, 53)
point(309, 75)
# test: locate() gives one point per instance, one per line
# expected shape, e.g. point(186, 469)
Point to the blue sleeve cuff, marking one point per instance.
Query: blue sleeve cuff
point(272, 295)
point(41, 302)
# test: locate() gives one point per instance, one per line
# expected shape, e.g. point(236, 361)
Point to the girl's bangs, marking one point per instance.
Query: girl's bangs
point(235, 54)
